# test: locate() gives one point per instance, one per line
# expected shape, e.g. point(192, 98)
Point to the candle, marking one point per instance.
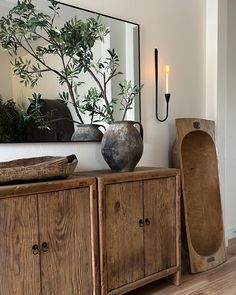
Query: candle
point(167, 78)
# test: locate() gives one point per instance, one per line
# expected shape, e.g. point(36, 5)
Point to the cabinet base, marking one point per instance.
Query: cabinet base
point(173, 273)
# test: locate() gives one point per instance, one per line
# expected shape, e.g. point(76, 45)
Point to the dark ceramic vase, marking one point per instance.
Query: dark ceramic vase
point(122, 145)
point(88, 132)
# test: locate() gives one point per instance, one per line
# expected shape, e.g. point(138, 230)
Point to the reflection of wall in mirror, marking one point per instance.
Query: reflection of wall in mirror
point(123, 38)
point(5, 76)
point(49, 85)
point(132, 67)
point(117, 35)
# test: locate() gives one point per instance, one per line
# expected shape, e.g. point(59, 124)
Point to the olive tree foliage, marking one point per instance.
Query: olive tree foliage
point(72, 44)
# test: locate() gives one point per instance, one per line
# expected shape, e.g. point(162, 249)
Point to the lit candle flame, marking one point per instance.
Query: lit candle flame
point(167, 69)
point(167, 78)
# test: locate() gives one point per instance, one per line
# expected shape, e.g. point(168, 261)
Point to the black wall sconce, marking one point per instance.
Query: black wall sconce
point(167, 94)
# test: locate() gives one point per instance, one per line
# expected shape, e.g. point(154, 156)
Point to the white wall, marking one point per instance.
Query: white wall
point(230, 201)
point(220, 100)
point(177, 29)
point(216, 80)
point(221, 82)
point(211, 58)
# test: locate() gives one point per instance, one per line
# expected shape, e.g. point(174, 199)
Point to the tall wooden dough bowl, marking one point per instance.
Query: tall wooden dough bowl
point(195, 154)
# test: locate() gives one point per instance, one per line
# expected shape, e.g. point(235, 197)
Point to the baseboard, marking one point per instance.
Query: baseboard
point(230, 233)
point(231, 248)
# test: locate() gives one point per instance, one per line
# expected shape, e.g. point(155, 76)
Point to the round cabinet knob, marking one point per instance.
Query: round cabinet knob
point(147, 221)
point(141, 223)
point(44, 246)
point(35, 249)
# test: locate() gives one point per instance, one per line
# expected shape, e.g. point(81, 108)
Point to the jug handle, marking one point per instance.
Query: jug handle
point(103, 127)
point(140, 128)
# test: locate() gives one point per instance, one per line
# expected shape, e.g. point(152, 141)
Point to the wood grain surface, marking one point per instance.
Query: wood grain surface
point(139, 174)
point(19, 268)
point(63, 214)
point(202, 193)
point(195, 154)
point(35, 169)
point(64, 223)
point(29, 188)
point(218, 281)
point(160, 235)
point(124, 236)
point(139, 228)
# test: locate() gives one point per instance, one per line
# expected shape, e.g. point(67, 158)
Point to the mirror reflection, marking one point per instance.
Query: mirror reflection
point(59, 85)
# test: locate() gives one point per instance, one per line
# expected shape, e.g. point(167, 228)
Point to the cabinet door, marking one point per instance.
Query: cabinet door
point(160, 228)
point(123, 241)
point(65, 225)
point(19, 271)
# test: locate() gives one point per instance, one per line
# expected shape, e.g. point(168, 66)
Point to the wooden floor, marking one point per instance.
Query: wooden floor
point(219, 281)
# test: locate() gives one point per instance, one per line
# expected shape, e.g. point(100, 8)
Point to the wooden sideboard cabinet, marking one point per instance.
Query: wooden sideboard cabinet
point(48, 242)
point(139, 228)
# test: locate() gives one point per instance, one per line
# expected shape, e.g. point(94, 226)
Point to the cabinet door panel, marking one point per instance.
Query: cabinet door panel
point(160, 234)
point(19, 271)
point(124, 242)
point(64, 223)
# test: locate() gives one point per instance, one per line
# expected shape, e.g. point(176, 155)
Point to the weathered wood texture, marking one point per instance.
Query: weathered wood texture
point(12, 190)
point(195, 154)
point(36, 169)
point(140, 173)
point(138, 228)
point(124, 244)
point(66, 219)
point(19, 268)
point(220, 280)
point(160, 234)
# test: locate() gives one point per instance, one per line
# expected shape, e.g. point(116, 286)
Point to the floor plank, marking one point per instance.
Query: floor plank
point(218, 281)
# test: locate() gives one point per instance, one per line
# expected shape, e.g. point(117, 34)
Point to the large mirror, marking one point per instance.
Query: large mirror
point(50, 97)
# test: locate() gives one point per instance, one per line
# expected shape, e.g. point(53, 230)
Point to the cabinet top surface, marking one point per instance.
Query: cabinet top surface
point(74, 181)
point(85, 179)
point(138, 174)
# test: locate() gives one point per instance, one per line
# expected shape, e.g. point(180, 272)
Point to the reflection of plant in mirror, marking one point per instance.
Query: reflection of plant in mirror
point(108, 70)
point(72, 44)
point(128, 93)
point(104, 113)
point(11, 122)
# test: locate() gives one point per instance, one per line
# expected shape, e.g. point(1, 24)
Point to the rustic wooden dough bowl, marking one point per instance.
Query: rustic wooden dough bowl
point(195, 154)
point(38, 168)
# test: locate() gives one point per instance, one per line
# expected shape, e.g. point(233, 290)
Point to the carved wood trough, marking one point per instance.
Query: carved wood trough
point(38, 168)
point(195, 154)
